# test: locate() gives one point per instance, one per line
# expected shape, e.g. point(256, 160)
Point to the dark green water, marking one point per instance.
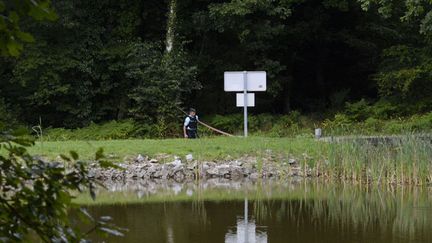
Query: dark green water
point(280, 213)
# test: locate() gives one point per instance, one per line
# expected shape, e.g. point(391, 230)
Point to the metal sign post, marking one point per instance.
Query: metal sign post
point(245, 81)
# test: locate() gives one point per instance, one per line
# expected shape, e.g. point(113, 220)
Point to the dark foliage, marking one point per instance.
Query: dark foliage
point(108, 60)
point(36, 196)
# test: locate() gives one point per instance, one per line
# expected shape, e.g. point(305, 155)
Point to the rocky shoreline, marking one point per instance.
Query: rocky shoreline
point(181, 170)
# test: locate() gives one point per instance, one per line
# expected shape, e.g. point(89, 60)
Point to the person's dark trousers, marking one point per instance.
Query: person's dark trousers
point(192, 133)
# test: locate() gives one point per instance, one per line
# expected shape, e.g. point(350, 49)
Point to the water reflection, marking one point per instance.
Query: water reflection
point(246, 230)
point(273, 212)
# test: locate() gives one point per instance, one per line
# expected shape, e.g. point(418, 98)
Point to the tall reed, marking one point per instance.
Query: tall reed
point(396, 160)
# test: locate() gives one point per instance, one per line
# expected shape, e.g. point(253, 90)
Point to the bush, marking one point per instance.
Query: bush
point(109, 130)
point(228, 123)
point(292, 124)
point(116, 130)
point(339, 121)
point(419, 123)
point(373, 125)
point(358, 111)
point(7, 120)
point(342, 125)
point(384, 109)
point(36, 195)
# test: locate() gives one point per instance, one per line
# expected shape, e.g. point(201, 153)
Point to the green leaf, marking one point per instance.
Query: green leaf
point(31, 184)
point(14, 17)
point(92, 191)
point(2, 6)
point(99, 154)
point(86, 213)
point(64, 157)
point(74, 155)
point(25, 36)
point(105, 218)
point(20, 132)
point(2, 24)
point(14, 48)
point(111, 231)
point(108, 164)
point(42, 11)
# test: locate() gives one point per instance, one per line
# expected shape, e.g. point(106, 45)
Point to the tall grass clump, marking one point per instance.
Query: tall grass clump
point(396, 160)
point(393, 210)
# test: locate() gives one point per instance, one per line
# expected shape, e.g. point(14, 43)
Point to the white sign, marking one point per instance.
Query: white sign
point(245, 81)
point(256, 81)
point(250, 99)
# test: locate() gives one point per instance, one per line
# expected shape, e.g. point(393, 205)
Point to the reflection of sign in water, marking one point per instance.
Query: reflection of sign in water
point(246, 234)
point(246, 231)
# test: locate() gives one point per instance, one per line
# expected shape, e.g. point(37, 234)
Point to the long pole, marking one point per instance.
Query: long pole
point(245, 104)
point(206, 125)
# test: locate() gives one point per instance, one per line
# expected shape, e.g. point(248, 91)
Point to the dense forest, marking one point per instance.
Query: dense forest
point(107, 60)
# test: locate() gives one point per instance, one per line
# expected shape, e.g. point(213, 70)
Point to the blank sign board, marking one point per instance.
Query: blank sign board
point(250, 99)
point(256, 81)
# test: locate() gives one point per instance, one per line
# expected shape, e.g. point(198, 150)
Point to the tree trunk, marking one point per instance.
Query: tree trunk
point(288, 85)
point(287, 95)
point(122, 108)
point(170, 35)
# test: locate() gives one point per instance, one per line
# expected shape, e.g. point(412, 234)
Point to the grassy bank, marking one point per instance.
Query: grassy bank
point(206, 148)
point(407, 160)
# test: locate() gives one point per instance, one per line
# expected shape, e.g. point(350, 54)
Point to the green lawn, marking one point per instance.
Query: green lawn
point(206, 148)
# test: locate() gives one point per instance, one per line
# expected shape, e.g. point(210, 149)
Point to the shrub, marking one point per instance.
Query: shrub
point(384, 109)
point(116, 130)
point(358, 111)
point(228, 123)
point(262, 124)
point(7, 120)
point(293, 125)
point(36, 195)
point(109, 130)
point(418, 123)
point(339, 121)
point(373, 125)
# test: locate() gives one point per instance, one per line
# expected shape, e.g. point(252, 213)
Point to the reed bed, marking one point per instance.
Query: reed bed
point(401, 160)
point(393, 210)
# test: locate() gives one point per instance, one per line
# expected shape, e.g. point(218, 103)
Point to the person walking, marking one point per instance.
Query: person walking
point(190, 125)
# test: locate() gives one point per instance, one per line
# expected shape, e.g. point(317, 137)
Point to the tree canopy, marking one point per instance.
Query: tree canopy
point(12, 13)
point(108, 60)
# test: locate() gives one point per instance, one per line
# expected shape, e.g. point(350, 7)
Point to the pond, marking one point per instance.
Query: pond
point(270, 211)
